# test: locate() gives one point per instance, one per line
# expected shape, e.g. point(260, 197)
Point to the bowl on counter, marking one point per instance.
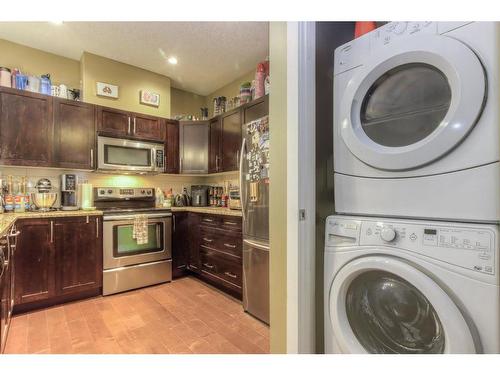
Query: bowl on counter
point(44, 201)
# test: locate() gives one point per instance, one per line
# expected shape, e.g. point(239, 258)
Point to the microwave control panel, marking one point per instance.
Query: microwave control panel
point(159, 159)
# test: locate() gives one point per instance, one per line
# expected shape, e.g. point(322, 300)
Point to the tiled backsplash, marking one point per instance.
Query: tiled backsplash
point(164, 182)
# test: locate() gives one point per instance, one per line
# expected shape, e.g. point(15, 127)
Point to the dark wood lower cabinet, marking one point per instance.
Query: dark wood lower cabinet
point(35, 262)
point(78, 250)
point(57, 260)
point(211, 246)
point(180, 243)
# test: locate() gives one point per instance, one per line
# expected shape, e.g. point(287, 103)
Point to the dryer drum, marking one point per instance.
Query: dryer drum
point(389, 315)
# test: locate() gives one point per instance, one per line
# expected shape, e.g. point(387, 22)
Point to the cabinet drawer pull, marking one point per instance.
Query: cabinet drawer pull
point(209, 266)
point(229, 245)
point(208, 220)
point(207, 239)
point(191, 266)
point(51, 231)
point(230, 274)
point(230, 223)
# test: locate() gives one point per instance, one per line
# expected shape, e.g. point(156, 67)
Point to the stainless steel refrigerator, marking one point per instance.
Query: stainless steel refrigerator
point(254, 195)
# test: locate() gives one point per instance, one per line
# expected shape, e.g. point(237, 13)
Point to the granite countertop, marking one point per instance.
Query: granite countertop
point(209, 210)
point(7, 219)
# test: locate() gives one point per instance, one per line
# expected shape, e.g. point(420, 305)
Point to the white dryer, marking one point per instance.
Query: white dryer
point(416, 122)
point(407, 286)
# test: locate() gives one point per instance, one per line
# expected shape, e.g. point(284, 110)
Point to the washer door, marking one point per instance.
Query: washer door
point(379, 304)
point(413, 102)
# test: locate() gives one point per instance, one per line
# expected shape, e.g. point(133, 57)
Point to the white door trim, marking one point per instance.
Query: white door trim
point(301, 178)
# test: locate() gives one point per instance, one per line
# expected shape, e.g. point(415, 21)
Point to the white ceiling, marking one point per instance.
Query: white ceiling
point(210, 54)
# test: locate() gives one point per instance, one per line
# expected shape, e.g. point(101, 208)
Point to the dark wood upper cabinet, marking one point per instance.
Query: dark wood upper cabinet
point(230, 141)
point(74, 134)
point(172, 147)
point(148, 127)
point(114, 122)
point(35, 261)
point(118, 123)
point(256, 109)
point(214, 158)
point(78, 249)
point(26, 128)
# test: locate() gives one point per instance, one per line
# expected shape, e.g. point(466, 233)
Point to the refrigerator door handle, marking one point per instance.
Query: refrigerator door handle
point(256, 245)
point(242, 195)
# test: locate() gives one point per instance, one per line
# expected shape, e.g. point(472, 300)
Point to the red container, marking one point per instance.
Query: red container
point(363, 27)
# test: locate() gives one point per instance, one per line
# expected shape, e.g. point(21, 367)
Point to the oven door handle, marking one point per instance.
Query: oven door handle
point(132, 217)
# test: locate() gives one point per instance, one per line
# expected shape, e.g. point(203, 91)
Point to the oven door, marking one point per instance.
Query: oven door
point(122, 154)
point(121, 249)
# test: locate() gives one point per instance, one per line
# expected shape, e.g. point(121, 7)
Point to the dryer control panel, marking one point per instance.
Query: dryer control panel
point(471, 246)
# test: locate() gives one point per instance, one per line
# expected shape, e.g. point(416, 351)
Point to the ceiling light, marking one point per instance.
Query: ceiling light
point(172, 60)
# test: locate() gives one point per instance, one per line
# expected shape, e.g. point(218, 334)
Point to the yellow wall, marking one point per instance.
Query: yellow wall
point(130, 80)
point(37, 62)
point(230, 90)
point(277, 197)
point(185, 103)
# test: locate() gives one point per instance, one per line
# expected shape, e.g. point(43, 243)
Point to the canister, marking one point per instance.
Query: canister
point(5, 77)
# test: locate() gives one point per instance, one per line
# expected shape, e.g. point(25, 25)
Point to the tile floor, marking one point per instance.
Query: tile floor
point(185, 316)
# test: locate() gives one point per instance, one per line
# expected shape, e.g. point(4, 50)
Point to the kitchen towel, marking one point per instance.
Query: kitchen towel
point(140, 230)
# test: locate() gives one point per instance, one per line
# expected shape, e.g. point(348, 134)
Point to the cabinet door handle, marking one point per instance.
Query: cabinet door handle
point(217, 163)
point(207, 239)
point(164, 162)
point(237, 157)
point(134, 125)
point(209, 266)
point(229, 245)
point(173, 221)
point(230, 274)
point(180, 164)
point(92, 158)
point(128, 132)
point(97, 227)
point(51, 231)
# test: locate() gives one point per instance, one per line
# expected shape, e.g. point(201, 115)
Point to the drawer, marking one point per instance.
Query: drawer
point(231, 223)
point(222, 267)
point(211, 221)
point(222, 241)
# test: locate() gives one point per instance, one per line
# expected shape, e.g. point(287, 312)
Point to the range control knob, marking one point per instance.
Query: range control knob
point(143, 192)
point(387, 234)
point(110, 191)
point(102, 192)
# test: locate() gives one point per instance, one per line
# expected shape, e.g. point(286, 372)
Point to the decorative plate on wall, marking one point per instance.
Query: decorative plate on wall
point(107, 90)
point(149, 98)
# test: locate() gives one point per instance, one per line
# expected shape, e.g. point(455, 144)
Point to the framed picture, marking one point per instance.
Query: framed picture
point(149, 98)
point(107, 90)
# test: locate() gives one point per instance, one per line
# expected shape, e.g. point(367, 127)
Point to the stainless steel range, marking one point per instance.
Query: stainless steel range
point(129, 263)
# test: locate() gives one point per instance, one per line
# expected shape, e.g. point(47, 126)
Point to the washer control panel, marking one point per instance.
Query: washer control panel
point(468, 247)
point(471, 246)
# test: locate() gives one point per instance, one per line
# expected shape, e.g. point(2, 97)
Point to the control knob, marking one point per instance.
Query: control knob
point(387, 234)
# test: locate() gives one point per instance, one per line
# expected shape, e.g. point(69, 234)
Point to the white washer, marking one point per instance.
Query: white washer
point(407, 286)
point(416, 122)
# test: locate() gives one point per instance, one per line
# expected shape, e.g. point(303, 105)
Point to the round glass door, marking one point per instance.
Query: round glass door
point(412, 102)
point(383, 304)
point(389, 315)
point(405, 105)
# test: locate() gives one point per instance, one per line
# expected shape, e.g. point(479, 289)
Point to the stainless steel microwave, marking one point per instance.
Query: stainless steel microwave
point(115, 154)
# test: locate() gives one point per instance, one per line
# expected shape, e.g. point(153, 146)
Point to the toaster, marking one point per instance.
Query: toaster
point(234, 199)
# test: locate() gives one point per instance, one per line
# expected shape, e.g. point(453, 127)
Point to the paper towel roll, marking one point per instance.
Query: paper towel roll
point(87, 196)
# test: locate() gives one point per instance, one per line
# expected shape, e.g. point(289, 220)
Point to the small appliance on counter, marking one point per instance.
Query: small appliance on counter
point(234, 199)
point(199, 194)
point(182, 200)
point(68, 192)
point(44, 199)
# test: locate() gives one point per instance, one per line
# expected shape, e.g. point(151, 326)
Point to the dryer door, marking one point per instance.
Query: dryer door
point(380, 304)
point(413, 102)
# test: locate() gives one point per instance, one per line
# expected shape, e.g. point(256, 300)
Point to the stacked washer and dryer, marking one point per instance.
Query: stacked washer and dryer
point(411, 256)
